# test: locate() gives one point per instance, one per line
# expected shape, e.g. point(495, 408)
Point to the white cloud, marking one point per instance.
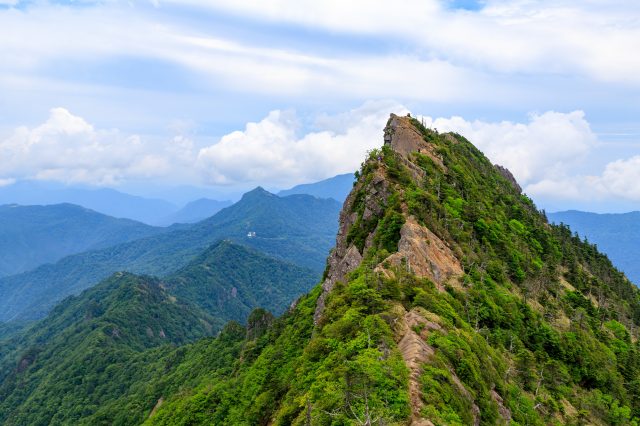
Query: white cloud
point(622, 178)
point(272, 151)
point(442, 55)
point(618, 180)
point(67, 148)
point(545, 154)
point(40, 36)
point(597, 39)
point(545, 147)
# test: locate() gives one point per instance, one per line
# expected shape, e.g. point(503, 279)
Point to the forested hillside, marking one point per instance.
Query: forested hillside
point(616, 234)
point(299, 229)
point(33, 235)
point(448, 300)
point(124, 332)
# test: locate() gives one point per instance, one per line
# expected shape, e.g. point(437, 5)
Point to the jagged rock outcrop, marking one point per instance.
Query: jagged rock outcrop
point(424, 254)
point(506, 173)
point(346, 257)
point(403, 137)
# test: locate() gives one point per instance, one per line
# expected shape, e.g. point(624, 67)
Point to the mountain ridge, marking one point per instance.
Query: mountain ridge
point(617, 234)
point(103, 200)
point(336, 187)
point(34, 235)
point(448, 300)
point(298, 229)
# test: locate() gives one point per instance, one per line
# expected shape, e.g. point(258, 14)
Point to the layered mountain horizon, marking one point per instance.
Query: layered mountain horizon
point(448, 299)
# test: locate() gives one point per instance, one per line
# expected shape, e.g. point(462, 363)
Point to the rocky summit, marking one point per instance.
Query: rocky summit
point(448, 300)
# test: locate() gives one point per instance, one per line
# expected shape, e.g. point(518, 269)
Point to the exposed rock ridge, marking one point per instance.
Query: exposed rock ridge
point(346, 257)
point(425, 255)
point(508, 176)
point(403, 137)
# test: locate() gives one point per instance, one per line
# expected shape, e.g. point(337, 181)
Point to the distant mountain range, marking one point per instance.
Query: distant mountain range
point(34, 235)
point(616, 234)
point(104, 200)
point(196, 211)
point(155, 210)
point(337, 187)
point(298, 229)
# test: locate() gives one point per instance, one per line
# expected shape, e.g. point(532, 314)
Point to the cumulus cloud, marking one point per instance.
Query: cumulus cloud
point(545, 153)
point(272, 150)
point(67, 148)
point(547, 146)
point(618, 180)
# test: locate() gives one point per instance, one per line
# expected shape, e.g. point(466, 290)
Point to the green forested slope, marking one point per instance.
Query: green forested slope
point(63, 366)
point(538, 328)
point(298, 228)
point(122, 334)
point(616, 234)
point(34, 235)
point(229, 281)
point(448, 300)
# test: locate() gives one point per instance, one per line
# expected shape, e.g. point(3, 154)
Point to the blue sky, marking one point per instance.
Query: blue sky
point(146, 95)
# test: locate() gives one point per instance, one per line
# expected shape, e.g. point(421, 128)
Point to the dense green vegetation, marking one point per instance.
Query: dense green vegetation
point(617, 235)
point(298, 228)
point(123, 332)
point(33, 235)
point(538, 329)
point(63, 368)
point(229, 281)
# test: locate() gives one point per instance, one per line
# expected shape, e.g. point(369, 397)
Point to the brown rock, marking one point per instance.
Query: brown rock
point(425, 254)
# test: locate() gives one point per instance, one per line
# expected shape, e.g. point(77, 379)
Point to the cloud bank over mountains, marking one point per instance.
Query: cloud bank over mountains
point(106, 88)
point(544, 153)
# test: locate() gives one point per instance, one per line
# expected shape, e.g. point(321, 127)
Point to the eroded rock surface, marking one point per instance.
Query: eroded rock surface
point(426, 255)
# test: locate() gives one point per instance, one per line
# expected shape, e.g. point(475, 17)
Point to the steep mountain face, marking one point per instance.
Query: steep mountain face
point(33, 235)
point(617, 235)
point(448, 300)
point(337, 187)
point(195, 211)
point(63, 367)
point(228, 281)
point(104, 200)
point(121, 335)
point(299, 229)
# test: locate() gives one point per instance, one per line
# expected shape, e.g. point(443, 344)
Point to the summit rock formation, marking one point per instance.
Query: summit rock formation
point(447, 300)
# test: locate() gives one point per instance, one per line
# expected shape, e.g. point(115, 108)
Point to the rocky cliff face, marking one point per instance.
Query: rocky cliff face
point(448, 300)
point(430, 211)
point(419, 249)
point(346, 256)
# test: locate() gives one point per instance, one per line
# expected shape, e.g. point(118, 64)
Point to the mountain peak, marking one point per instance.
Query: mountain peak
point(256, 193)
point(402, 135)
